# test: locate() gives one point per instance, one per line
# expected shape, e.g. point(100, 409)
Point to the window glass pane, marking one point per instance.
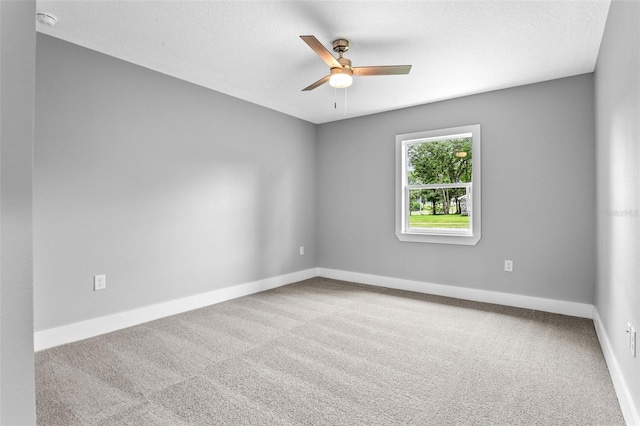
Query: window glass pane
point(443, 208)
point(439, 161)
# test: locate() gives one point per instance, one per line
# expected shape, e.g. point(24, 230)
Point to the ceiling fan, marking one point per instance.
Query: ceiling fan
point(341, 71)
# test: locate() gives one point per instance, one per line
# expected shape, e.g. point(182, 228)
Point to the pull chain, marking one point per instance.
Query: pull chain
point(345, 101)
point(335, 100)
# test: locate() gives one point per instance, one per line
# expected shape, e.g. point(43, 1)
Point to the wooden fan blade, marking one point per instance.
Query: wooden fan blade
point(320, 82)
point(382, 70)
point(322, 51)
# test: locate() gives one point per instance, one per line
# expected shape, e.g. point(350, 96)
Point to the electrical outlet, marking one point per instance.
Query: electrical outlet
point(508, 265)
point(632, 341)
point(301, 250)
point(99, 282)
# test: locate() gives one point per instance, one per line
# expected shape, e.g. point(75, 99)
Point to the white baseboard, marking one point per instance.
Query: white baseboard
point(629, 410)
point(582, 310)
point(90, 328)
point(96, 326)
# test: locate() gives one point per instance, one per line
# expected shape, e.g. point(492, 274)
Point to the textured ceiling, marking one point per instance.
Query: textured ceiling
point(252, 50)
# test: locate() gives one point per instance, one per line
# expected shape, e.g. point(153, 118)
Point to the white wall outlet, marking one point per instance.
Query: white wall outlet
point(508, 265)
point(632, 341)
point(99, 282)
point(301, 250)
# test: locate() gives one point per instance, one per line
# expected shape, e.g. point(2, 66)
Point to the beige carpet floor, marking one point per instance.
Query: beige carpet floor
point(325, 352)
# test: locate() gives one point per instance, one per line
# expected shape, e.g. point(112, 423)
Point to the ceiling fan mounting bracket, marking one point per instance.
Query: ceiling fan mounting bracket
point(340, 45)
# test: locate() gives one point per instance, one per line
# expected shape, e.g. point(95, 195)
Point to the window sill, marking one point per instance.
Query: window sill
point(467, 240)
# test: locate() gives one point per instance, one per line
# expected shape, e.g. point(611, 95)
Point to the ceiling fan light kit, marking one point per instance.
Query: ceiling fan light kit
point(341, 78)
point(340, 70)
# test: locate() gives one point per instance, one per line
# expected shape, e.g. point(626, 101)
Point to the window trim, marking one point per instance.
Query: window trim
point(403, 231)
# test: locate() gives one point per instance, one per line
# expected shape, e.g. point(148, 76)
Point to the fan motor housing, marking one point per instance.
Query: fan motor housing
point(346, 63)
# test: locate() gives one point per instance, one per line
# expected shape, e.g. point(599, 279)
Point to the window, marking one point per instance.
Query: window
point(438, 186)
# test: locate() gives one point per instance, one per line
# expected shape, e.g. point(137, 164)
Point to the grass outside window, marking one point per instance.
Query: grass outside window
point(448, 221)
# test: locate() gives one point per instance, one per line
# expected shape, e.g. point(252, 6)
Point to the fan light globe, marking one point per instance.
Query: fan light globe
point(340, 78)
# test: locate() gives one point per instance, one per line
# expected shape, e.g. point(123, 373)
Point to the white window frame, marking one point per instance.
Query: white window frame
point(404, 232)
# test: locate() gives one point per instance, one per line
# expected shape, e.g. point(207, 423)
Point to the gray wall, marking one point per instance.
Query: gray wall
point(538, 198)
point(17, 69)
point(618, 152)
point(169, 189)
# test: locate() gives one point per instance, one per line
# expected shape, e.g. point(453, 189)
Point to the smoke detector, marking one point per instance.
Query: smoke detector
point(46, 19)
